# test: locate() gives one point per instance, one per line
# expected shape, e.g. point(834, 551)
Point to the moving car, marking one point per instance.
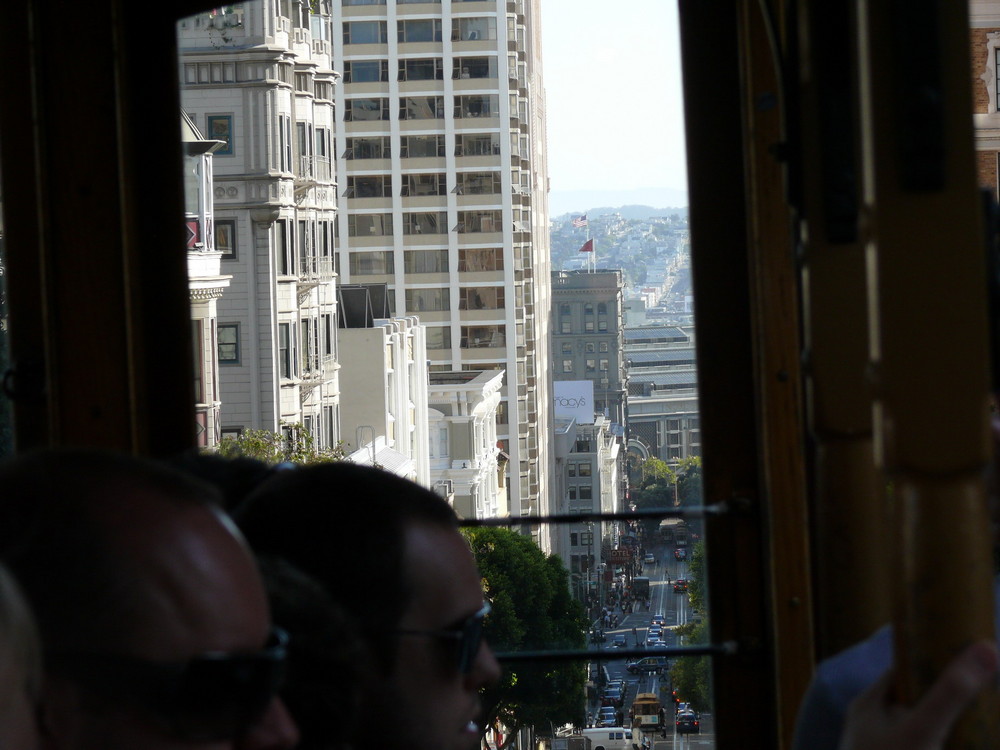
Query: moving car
point(680, 554)
point(687, 723)
point(647, 665)
point(649, 559)
point(659, 619)
point(618, 641)
point(680, 585)
point(607, 717)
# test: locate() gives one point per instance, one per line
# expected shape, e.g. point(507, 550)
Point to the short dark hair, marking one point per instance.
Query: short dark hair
point(74, 578)
point(345, 525)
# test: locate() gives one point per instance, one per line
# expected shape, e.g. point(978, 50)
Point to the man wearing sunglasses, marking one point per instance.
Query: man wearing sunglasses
point(389, 552)
point(153, 619)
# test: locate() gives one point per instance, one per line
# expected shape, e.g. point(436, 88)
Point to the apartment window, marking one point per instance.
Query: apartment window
point(603, 346)
point(225, 238)
point(567, 327)
point(474, 67)
point(589, 347)
point(363, 110)
point(567, 365)
point(220, 128)
point(571, 493)
point(477, 144)
point(431, 222)
point(410, 2)
point(480, 259)
point(481, 298)
point(602, 308)
point(421, 108)
point(363, 225)
point(472, 29)
point(415, 146)
point(574, 540)
point(362, 2)
point(475, 337)
point(604, 365)
point(434, 183)
point(285, 143)
point(588, 308)
point(365, 32)
point(585, 469)
point(425, 261)
point(602, 326)
point(369, 186)
point(366, 71)
point(586, 492)
point(228, 343)
point(375, 263)
point(571, 469)
point(438, 337)
point(284, 247)
point(310, 345)
point(588, 326)
point(567, 347)
point(329, 340)
point(477, 105)
point(591, 365)
point(427, 300)
point(376, 147)
point(286, 350)
point(479, 221)
point(419, 30)
point(478, 183)
point(421, 69)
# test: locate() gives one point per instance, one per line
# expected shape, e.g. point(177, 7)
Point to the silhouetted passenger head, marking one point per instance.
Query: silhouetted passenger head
point(152, 615)
point(389, 552)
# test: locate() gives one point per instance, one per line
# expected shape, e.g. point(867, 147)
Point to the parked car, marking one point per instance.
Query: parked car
point(612, 697)
point(687, 723)
point(649, 559)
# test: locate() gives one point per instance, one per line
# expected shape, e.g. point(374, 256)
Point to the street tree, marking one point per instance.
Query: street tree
point(691, 675)
point(532, 610)
point(687, 477)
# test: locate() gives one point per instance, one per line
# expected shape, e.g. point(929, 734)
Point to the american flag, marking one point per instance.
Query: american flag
point(580, 221)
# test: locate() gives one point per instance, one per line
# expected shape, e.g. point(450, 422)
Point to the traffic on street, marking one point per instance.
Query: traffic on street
point(632, 700)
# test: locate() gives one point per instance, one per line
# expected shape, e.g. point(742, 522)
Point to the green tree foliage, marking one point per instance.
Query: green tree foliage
point(688, 479)
point(532, 609)
point(697, 589)
point(691, 675)
point(275, 447)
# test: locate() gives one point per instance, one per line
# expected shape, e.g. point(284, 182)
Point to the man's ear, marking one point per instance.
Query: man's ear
point(58, 713)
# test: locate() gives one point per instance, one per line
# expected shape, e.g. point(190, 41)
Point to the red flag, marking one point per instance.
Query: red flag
point(588, 247)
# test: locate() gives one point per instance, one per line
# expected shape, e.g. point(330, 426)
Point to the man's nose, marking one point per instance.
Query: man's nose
point(485, 669)
point(275, 730)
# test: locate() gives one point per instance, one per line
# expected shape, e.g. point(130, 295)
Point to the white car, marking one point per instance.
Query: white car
point(650, 559)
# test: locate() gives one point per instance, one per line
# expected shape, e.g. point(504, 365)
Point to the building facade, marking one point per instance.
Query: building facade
point(588, 336)
point(663, 392)
point(258, 77)
point(467, 465)
point(440, 153)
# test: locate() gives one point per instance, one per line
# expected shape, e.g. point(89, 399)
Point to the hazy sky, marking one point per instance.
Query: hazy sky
point(613, 84)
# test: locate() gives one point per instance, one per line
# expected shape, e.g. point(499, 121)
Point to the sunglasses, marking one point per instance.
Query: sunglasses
point(467, 637)
point(211, 697)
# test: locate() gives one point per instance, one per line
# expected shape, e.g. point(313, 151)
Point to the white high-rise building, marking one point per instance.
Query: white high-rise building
point(258, 76)
point(440, 146)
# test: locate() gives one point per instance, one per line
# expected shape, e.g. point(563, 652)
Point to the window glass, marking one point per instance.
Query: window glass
point(425, 261)
point(229, 343)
